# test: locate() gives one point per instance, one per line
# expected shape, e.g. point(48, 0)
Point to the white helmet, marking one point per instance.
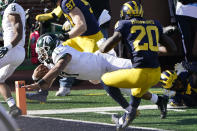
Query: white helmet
point(5, 3)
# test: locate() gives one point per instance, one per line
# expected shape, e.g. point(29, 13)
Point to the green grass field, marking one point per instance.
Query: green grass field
point(177, 119)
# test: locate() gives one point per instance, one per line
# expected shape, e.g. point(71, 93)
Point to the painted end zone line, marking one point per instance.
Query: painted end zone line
point(95, 109)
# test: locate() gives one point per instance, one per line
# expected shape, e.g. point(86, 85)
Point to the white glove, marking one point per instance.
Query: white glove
point(67, 26)
point(179, 68)
point(169, 93)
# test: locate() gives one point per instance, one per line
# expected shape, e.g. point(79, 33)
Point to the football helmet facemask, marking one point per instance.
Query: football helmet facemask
point(168, 79)
point(45, 46)
point(5, 3)
point(130, 10)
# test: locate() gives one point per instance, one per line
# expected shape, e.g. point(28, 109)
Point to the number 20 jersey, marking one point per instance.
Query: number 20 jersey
point(141, 38)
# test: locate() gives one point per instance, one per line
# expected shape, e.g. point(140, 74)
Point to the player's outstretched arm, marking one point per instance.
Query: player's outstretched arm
point(110, 42)
point(55, 14)
point(48, 79)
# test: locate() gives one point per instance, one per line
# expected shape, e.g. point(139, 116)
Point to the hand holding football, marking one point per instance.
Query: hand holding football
point(40, 72)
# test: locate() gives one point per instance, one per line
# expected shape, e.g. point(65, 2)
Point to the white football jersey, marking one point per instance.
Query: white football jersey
point(8, 31)
point(88, 66)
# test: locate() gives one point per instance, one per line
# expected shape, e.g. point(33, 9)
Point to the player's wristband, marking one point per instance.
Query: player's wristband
point(41, 82)
point(9, 46)
point(34, 78)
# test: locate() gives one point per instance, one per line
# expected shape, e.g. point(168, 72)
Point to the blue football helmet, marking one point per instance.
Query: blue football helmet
point(168, 78)
point(130, 10)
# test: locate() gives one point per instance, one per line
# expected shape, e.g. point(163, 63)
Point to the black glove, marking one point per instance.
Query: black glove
point(63, 36)
point(3, 51)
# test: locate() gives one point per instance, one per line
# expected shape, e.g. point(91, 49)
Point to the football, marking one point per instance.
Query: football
point(40, 72)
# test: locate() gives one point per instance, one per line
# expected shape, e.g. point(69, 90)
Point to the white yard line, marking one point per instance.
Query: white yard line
point(95, 109)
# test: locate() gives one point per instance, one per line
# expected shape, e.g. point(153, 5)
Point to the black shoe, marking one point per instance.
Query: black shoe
point(37, 96)
point(124, 121)
point(15, 111)
point(162, 105)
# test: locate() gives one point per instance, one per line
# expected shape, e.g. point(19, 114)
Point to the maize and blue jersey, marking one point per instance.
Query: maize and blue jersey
point(141, 37)
point(83, 5)
point(187, 82)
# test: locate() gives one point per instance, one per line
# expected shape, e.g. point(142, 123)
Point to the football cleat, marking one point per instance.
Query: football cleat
point(124, 121)
point(175, 103)
point(15, 111)
point(162, 105)
point(63, 91)
point(42, 98)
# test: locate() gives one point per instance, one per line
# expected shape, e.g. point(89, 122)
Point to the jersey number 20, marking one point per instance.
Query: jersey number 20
point(145, 31)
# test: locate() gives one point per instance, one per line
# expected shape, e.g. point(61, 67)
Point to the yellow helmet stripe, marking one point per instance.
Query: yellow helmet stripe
point(140, 12)
point(136, 7)
point(164, 76)
point(126, 4)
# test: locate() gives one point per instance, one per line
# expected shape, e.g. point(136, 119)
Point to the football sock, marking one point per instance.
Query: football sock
point(135, 101)
point(154, 98)
point(116, 95)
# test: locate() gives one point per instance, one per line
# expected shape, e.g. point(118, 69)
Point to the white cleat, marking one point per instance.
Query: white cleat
point(63, 91)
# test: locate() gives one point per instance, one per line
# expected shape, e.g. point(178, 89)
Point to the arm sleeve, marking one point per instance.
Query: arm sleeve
point(44, 17)
point(119, 27)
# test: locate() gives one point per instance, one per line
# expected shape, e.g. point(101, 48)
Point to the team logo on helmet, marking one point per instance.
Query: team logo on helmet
point(168, 78)
point(130, 10)
point(45, 46)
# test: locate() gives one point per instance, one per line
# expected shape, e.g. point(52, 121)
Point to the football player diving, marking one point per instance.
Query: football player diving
point(66, 61)
point(142, 38)
point(179, 87)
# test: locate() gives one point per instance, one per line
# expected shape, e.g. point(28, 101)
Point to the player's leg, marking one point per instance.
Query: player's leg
point(65, 85)
point(5, 91)
point(190, 100)
point(89, 43)
point(40, 95)
point(124, 79)
point(160, 101)
point(8, 64)
point(120, 78)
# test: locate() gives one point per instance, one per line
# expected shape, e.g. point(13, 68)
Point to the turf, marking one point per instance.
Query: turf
point(179, 120)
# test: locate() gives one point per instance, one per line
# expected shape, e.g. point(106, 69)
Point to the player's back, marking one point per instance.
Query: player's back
point(8, 29)
point(141, 37)
point(83, 65)
point(83, 5)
